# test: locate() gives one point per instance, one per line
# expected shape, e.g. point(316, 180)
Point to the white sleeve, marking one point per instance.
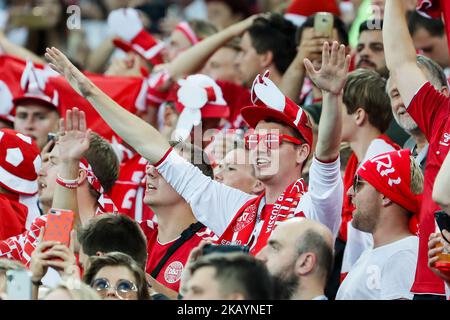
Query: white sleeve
point(397, 276)
point(213, 204)
point(323, 201)
point(447, 290)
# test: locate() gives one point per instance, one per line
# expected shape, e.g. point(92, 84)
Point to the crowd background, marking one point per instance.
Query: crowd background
point(167, 126)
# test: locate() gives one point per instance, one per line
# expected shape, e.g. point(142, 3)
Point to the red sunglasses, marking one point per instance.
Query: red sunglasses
point(271, 140)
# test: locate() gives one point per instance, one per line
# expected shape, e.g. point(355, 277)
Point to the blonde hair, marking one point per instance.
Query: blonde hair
point(76, 289)
point(202, 28)
point(416, 184)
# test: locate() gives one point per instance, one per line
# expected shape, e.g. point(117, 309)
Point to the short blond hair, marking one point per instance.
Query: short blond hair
point(416, 184)
point(77, 290)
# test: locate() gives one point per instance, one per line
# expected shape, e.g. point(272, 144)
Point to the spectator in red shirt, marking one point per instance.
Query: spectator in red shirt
point(430, 110)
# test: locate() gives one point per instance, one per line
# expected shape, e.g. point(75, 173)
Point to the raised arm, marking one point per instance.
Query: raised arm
point(72, 144)
point(330, 79)
point(400, 52)
point(441, 189)
point(145, 139)
point(193, 59)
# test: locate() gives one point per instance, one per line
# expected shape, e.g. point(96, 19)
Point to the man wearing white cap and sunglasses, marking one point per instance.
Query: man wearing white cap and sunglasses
point(239, 218)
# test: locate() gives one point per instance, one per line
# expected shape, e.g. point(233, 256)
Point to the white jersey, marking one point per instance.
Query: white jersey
point(215, 204)
point(358, 241)
point(383, 273)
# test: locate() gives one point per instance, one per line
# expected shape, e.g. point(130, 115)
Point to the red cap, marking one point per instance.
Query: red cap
point(127, 25)
point(299, 10)
point(20, 162)
point(390, 174)
point(270, 103)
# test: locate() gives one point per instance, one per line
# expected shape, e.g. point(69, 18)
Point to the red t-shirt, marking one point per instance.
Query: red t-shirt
point(430, 109)
point(170, 274)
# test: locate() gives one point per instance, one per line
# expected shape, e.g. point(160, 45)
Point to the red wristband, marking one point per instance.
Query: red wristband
point(69, 184)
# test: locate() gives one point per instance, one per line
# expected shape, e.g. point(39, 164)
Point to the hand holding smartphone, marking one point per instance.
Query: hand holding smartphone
point(59, 225)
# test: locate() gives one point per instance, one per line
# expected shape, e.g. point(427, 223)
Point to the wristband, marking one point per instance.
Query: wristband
point(66, 183)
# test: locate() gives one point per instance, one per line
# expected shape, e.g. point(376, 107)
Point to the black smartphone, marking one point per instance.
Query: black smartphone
point(216, 248)
point(443, 222)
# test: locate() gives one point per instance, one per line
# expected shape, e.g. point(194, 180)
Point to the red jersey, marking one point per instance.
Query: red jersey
point(13, 216)
point(430, 109)
point(170, 274)
point(128, 191)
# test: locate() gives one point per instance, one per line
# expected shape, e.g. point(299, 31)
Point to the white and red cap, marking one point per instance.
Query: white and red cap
point(20, 162)
point(270, 103)
point(131, 35)
point(36, 88)
point(199, 97)
point(429, 8)
point(299, 10)
point(186, 29)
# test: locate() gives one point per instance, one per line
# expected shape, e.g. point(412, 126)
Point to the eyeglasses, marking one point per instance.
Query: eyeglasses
point(271, 140)
point(357, 182)
point(125, 289)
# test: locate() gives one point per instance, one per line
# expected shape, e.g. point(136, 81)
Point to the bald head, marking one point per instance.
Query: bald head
point(295, 237)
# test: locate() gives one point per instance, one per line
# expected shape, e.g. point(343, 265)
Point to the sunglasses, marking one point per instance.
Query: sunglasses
point(357, 183)
point(125, 289)
point(271, 140)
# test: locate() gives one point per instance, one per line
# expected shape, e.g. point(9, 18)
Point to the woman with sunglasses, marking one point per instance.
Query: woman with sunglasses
point(116, 276)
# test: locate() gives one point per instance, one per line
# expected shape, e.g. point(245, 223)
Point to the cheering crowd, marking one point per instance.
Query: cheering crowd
point(225, 150)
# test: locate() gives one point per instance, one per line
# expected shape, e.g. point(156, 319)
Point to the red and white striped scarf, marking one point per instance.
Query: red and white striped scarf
point(105, 204)
point(251, 229)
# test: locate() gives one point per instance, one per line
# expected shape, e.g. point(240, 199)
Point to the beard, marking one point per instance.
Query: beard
point(285, 285)
point(408, 124)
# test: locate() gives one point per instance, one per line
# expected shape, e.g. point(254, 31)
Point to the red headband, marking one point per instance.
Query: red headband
point(188, 32)
point(105, 204)
point(390, 174)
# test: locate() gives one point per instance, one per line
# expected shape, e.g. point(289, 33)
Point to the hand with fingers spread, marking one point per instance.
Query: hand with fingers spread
point(433, 251)
point(74, 135)
point(333, 74)
point(79, 82)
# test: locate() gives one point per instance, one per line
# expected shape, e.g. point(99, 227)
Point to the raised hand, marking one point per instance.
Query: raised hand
point(73, 139)
point(333, 74)
point(59, 62)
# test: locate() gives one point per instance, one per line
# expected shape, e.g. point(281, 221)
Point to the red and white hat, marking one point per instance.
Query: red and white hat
point(126, 24)
point(186, 29)
point(299, 10)
point(198, 97)
point(270, 103)
point(390, 174)
point(36, 88)
point(20, 162)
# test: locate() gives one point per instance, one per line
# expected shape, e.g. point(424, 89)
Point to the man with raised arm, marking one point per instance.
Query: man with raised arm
point(282, 131)
point(430, 110)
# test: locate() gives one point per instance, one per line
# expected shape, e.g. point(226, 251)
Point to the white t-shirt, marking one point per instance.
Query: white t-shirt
point(359, 241)
point(215, 204)
point(447, 291)
point(383, 273)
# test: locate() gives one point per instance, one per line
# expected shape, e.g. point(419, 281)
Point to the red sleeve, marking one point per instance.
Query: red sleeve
point(429, 108)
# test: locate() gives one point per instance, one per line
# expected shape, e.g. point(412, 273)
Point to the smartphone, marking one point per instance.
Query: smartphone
point(215, 248)
point(323, 24)
point(59, 225)
point(18, 285)
point(443, 221)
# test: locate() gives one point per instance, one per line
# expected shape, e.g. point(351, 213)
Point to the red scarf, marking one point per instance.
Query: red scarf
point(253, 222)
